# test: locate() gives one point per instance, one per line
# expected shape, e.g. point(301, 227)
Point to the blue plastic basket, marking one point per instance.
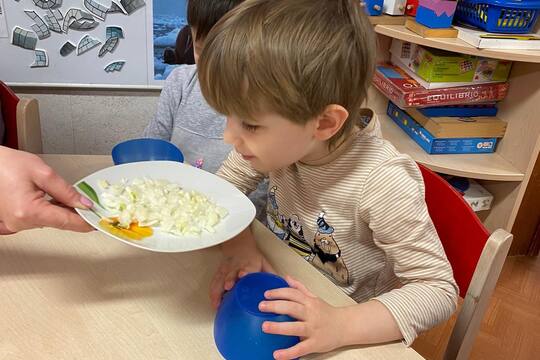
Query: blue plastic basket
point(501, 16)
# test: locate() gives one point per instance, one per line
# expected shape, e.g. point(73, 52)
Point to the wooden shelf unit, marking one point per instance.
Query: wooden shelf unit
point(507, 172)
point(477, 166)
point(456, 45)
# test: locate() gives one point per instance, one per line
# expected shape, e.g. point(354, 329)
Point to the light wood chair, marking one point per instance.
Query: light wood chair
point(22, 123)
point(476, 257)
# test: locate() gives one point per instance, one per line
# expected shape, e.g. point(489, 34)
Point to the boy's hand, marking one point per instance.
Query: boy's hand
point(234, 267)
point(241, 257)
point(319, 324)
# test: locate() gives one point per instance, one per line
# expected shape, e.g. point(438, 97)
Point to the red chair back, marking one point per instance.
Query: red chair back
point(9, 102)
point(462, 234)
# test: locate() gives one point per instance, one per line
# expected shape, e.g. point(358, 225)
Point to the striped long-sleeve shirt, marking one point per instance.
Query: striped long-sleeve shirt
point(360, 217)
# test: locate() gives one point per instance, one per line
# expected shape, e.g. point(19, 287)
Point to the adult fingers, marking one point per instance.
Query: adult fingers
point(58, 217)
point(50, 182)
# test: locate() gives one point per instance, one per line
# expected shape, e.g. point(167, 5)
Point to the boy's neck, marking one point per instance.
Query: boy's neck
point(325, 153)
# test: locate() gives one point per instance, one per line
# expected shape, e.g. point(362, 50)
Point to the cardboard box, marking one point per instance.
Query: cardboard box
point(460, 127)
point(434, 145)
point(439, 66)
point(406, 92)
point(473, 193)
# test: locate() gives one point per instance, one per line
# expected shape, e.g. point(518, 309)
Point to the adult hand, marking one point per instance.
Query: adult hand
point(25, 180)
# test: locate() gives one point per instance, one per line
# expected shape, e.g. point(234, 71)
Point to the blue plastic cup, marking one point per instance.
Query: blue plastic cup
point(145, 150)
point(238, 324)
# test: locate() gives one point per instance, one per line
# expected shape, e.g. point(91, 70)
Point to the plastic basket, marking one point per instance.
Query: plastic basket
point(501, 16)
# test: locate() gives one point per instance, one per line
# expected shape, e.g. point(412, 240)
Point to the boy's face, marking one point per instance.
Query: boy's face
point(272, 142)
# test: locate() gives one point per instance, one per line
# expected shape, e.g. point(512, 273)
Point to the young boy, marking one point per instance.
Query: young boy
point(291, 75)
point(183, 117)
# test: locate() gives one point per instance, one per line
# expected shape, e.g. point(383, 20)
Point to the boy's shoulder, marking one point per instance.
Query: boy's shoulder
point(369, 150)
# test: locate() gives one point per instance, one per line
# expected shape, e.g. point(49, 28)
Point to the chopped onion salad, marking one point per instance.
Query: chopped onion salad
point(160, 203)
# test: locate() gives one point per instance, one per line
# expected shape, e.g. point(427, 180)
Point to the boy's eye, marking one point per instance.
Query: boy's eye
point(249, 127)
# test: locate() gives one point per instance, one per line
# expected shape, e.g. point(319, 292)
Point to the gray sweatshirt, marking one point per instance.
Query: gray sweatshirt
point(184, 118)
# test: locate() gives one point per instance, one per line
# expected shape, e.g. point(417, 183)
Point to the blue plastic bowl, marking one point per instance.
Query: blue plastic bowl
point(145, 150)
point(238, 325)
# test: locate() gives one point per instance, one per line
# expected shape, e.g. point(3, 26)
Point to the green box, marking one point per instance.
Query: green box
point(439, 66)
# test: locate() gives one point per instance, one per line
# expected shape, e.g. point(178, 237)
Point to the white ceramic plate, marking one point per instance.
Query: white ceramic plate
point(241, 209)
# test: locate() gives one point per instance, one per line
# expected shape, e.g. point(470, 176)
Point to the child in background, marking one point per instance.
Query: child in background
point(183, 117)
point(291, 76)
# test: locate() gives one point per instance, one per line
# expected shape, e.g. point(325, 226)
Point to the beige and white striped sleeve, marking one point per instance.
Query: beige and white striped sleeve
point(239, 172)
point(393, 204)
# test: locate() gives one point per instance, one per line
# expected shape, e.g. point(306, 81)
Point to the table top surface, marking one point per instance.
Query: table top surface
point(88, 296)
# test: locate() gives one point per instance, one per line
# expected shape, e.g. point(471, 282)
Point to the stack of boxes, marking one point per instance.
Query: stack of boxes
point(456, 94)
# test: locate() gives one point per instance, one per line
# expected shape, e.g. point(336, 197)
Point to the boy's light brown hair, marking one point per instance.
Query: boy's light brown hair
point(290, 57)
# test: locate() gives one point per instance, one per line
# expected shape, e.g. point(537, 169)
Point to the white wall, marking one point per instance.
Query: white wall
point(90, 121)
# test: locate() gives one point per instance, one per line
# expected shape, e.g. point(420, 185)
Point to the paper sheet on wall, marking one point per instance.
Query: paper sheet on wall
point(3, 22)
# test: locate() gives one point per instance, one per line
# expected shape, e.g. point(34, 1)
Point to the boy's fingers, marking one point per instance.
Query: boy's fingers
point(298, 350)
point(267, 267)
point(4, 230)
point(230, 279)
point(293, 309)
point(216, 287)
point(295, 328)
point(291, 294)
point(298, 285)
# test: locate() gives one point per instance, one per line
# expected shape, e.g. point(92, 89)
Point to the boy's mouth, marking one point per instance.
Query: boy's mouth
point(248, 157)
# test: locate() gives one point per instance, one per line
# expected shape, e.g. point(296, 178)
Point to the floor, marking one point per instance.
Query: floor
point(511, 326)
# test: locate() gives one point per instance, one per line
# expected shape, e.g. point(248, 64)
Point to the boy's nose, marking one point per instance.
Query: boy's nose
point(230, 135)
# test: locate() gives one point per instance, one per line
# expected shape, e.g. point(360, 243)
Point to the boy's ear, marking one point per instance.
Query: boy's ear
point(330, 121)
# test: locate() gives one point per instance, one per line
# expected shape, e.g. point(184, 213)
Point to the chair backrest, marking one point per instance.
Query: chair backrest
point(476, 258)
point(9, 111)
point(22, 123)
point(462, 234)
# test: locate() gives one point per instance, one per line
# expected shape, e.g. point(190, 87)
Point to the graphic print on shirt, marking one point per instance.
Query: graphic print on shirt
point(296, 240)
point(324, 253)
point(274, 220)
point(328, 254)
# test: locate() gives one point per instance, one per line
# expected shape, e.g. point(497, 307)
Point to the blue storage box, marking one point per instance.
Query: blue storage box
point(460, 111)
point(499, 16)
point(434, 145)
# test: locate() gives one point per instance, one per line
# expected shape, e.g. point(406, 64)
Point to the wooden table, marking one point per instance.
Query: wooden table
point(66, 295)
